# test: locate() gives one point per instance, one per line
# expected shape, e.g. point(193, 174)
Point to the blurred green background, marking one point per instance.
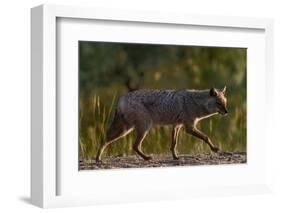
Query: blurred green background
point(108, 70)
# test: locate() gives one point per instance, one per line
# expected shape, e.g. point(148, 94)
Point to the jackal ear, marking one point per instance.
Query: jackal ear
point(213, 92)
point(223, 90)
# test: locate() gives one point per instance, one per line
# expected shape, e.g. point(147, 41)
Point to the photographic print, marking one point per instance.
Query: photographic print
point(156, 105)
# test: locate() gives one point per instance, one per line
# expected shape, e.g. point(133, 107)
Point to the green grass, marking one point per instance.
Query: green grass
point(227, 132)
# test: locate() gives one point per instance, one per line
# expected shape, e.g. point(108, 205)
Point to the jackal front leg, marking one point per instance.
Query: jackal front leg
point(197, 133)
point(175, 135)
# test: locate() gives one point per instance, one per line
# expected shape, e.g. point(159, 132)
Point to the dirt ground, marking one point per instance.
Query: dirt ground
point(134, 161)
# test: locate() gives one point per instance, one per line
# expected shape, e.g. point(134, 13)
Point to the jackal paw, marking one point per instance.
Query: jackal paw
point(175, 157)
point(215, 149)
point(147, 158)
point(98, 160)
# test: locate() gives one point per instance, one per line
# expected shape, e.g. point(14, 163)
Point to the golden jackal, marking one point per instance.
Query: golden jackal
point(141, 109)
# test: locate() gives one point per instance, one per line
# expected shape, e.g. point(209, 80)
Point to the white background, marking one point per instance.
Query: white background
point(15, 105)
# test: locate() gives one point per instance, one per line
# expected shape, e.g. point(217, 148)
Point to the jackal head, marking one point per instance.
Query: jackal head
point(218, 101)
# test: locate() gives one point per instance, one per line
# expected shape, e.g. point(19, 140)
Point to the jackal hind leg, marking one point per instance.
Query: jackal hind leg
point(137, 145)
point(175, 135)
point(112, 135)
point(197, 133)
point(141, 132)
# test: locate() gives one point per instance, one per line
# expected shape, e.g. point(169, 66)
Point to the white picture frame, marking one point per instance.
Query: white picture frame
point(45, 166)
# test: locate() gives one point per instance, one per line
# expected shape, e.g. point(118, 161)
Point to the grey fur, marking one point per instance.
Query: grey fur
point(141, 109)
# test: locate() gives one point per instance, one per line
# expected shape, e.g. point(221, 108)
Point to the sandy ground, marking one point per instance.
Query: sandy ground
point(134, 161)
